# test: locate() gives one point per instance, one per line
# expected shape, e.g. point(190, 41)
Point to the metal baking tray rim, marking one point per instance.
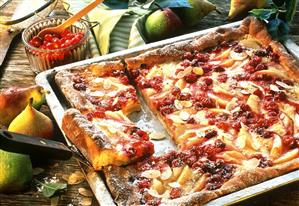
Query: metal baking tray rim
point(96, 182)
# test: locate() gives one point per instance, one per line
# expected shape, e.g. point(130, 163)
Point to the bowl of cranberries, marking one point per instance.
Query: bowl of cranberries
point(55, 49)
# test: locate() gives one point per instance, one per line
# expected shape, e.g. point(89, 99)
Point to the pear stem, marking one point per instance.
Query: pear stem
point(30, 102)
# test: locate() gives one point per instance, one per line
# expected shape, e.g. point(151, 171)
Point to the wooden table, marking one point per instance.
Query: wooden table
point(16, 72)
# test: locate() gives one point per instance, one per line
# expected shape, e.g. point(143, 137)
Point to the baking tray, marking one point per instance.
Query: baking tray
point(58, 105)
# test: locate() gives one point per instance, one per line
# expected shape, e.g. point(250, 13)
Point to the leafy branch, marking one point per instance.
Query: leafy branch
point(278, 17)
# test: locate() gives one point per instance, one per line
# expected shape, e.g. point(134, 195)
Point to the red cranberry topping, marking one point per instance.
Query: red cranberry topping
point(78, 79)
point(264, 162)
point(255, 61)
point(176, 91)
point(188, 55)
point(191, 121)
point(208, 81)
point(80, 86)
point(117, 73)
point(145, 183)
point(36, 41)
point(210, 134)
point(202, 57)
point(186, 63)
point(203, 101)
point(290, 141)
point(274, 57)
point(222, 78)
point(175, 193)
point(264, 133)
point(238, 49)
point(261, 53)
point(261, 67)
point(218, 68)
point(191, 78)
point(135, 73)
point(184, 96)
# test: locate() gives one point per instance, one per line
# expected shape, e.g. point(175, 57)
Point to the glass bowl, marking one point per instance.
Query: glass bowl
point(43, 59)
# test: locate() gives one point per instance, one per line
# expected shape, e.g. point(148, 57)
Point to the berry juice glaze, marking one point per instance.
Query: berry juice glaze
point(203, 158)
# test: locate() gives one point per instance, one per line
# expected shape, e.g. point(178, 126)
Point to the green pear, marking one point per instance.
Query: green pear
point(162, 24)
point(32, 122)
point(15, 171)
point(192, 16)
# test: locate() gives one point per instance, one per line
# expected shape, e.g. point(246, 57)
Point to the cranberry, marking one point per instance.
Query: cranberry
point(218, 69)
point(36, 41)
point(261, 67)
point(207, 68)
point(176, 91)
point(202, 57)
point(274, 57)
point(290, 141)
point(238, 49)
point(261, 53)
point(222, 78)
point(191, 78)
point(210, 134)
point(191, 121)
point(184, 96)
point(145, 183)
point(208, 81)
point(264, 162)
point(214, 182)
point(135, 73)
point(48, 38)
point(219, 144)
point(186, 63)
point(175, 193)
point(80, 86)
point(255, 61)
point(188, 55)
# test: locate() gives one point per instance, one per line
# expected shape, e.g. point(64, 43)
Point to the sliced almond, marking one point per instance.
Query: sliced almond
point(284, 85)
point(157, 136)
point(197, 70)
point(107, 84)
point(97, 94)
point(251, 164)
point(115, 101)
point(86, 201)
point(178, 105)
point(151, 174)
point(183, 73)
point(184, 115)
point(186, 104)
point(274, 88)
point(166, 174)
point(180, 83)
point(85, 192)
point(174, 184)
point(185, 90)
point(238, 56)
point(76, 178)
point(98, 80)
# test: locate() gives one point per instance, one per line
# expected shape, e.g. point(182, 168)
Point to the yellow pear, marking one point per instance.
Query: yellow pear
point(32, 122)
point(241, 7)
point(13, 100)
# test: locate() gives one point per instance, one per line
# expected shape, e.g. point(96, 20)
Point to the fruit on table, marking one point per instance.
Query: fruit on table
point(57, 41)
point(14, 100)
point(241, 7)
point(15, 171)
point(162, 24)
point(192, 16)
point(32, 122)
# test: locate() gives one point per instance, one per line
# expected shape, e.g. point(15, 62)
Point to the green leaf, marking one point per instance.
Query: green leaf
point(291, 9)
point(108, 19)
point(278, 29)
point(263, 14)
point(174, 3)
point(137, 37)
point(116, 4)
point(49, 189)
